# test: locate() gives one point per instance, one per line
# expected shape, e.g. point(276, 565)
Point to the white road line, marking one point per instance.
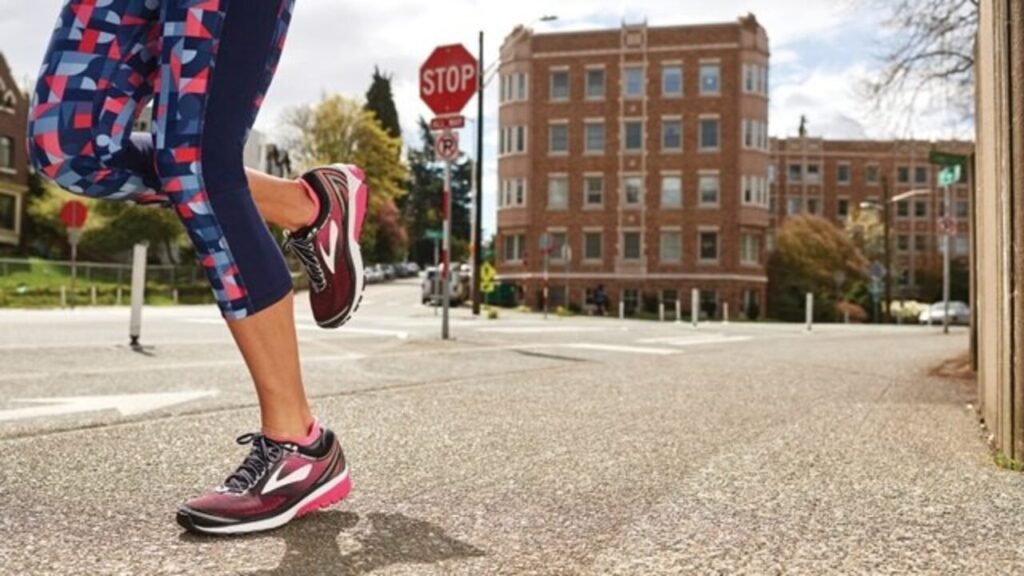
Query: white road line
point(685, 341)
point(541, 329)
point(126, 404)
point(623, 349)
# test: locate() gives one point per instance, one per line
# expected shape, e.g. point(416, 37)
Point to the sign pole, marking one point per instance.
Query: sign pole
point(478, 239)
point(945, 264)
point(74, 269)
point(446, 251)
point(138, 293)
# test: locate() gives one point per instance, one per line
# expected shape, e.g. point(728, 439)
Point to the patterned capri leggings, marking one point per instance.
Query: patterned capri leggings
point(206, 65)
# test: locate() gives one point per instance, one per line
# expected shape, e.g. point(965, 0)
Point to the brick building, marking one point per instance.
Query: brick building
point(13, 159)
point(643, 152)
point(833, 178)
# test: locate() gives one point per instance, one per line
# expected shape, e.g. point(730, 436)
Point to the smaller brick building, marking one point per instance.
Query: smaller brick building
point(13, 157)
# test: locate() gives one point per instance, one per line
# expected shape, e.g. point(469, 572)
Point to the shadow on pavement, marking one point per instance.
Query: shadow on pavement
point(383, 539)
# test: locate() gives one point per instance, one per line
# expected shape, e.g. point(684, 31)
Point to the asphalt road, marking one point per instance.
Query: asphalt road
point(571, 446)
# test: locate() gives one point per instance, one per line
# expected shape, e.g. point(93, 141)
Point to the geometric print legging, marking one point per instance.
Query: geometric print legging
point(205, 65)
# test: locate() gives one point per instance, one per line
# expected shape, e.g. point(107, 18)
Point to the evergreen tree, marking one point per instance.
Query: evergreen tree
point(422, 209)
point(381, 102)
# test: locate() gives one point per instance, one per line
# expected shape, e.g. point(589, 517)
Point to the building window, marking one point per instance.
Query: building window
point(595, 84)
point(671, 134)
point(708, 241)
point(920, 174)
point(634, 130)
point(630, 245)
point(962, 209)
point(513, 140)
point(560, 85)
point(903, 174)
point(843, 174)
point(961, 246)
point(750, 249)
point(633, 190)
point(795, 173)
point(843, 208)
point(593, 191)
point(633, 82)
point(558, 193)
point(671, 192)
point(903, 242)
point(6, 152)
point(520, 191)
point(749, 78)
point(813, 206)
point(630, 300)
point(903, 209)
point(748, 189)
point(594, 134)
point(920, 243)
point(558, 141)
point(793, 206)
point(871, 174)
point(748, 133)
point(521, 93)
point(515, 247)
point(672, 81)
point(709, 187)
point(814, 174)
point(8, 212)
point(671, 247)
point(709, 79)
point(592, 246)
point(921, 209)
point(558, 246)
point(709, 133)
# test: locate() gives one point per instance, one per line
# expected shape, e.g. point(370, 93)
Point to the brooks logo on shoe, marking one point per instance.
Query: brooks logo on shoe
point(275, 482)
point(330, 251)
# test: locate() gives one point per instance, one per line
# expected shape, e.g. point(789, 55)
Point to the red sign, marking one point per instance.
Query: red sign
point(73, 214)
point(447, 146)
point(447, 122)
point(448, 79)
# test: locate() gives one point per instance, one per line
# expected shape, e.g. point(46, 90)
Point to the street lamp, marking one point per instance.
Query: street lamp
point(885, 208)
point(477, 232)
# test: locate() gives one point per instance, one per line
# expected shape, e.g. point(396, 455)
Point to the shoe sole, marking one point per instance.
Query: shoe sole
point(355, 254)
point(325, 496)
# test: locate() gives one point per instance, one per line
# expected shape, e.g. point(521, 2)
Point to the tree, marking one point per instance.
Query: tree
point(338, 130)
point(932, 46)
point(809, 252)
point(866, 230)
point(422, 209)
point(381, 102)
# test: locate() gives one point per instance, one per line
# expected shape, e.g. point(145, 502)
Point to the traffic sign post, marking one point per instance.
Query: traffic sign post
point(546, 244)
point(448, 80)
point(73, 215)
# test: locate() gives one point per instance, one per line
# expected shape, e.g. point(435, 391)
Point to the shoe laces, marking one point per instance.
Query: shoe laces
point(264, 453)
point(305, 250)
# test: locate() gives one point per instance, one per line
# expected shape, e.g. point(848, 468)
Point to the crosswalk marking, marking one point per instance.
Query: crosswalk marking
point(617, 348)
point(697, 341)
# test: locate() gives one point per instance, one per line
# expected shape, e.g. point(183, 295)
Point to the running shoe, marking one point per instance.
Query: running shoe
point(276, 483)
point(329, 248)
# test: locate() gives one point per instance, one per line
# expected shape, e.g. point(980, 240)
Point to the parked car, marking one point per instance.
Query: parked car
point(413, 269)
point(959, 313)
point(431, 288)
point(373, 275)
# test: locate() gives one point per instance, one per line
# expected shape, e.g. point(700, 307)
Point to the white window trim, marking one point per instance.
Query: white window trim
point(592, 230)
point(743, 260)
point(640, 248)
point(643, 135)
point(661, 192)
point(622, 189)
point(604, 85)
point(568, 143)
point(587, 205)
point(878, 171)
point(700, 148)
point(700, 195)
point(590, 122)
point(568, 192)
point(551, 84)
point(661, 254)
point(624, 82)
point(849, 174)
point(700, 78)
point(672, 118)
point(682, 79)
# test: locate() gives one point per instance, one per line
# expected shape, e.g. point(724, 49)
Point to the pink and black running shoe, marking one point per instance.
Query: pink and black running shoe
point(329, 248)
point(276, 483)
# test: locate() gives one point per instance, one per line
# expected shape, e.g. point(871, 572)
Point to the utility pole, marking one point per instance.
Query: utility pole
point(886, 218)
point(478, 194)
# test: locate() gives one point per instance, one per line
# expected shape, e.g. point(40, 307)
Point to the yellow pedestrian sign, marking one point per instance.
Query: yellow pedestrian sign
point(487, 274)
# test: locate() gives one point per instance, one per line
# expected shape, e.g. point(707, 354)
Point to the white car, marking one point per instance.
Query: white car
point(959, 313)
point(431, 292)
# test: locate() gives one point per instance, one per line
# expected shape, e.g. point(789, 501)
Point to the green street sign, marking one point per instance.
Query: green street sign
point(946, 158)
point(435, 234)
point(949, 175)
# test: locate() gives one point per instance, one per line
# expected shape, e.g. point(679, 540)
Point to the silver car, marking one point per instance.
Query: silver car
point(959, 313)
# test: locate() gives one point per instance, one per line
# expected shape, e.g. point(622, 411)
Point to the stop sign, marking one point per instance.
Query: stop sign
point(73, 214)
point(448, 79)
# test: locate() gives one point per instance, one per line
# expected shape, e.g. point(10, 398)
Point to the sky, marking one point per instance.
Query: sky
point(821, 51)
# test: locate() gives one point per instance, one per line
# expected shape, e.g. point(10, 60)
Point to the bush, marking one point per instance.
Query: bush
point(857, 314)
point(562, 312)
point(907, 310)
point(492, 313)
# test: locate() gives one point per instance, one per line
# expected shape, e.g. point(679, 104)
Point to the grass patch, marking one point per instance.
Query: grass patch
point(1005, 462)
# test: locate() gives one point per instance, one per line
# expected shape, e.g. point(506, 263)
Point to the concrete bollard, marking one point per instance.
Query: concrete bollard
point(725, 313)
point(679, 311)
point(661, 312)
point(63, 296)
point(92, 295)
point(695, 307)
point(810, 311)
point(622, 310)
point(119, 295)
point(174, 296)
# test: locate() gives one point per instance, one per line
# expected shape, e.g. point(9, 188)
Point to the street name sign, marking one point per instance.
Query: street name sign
point(946, 158)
